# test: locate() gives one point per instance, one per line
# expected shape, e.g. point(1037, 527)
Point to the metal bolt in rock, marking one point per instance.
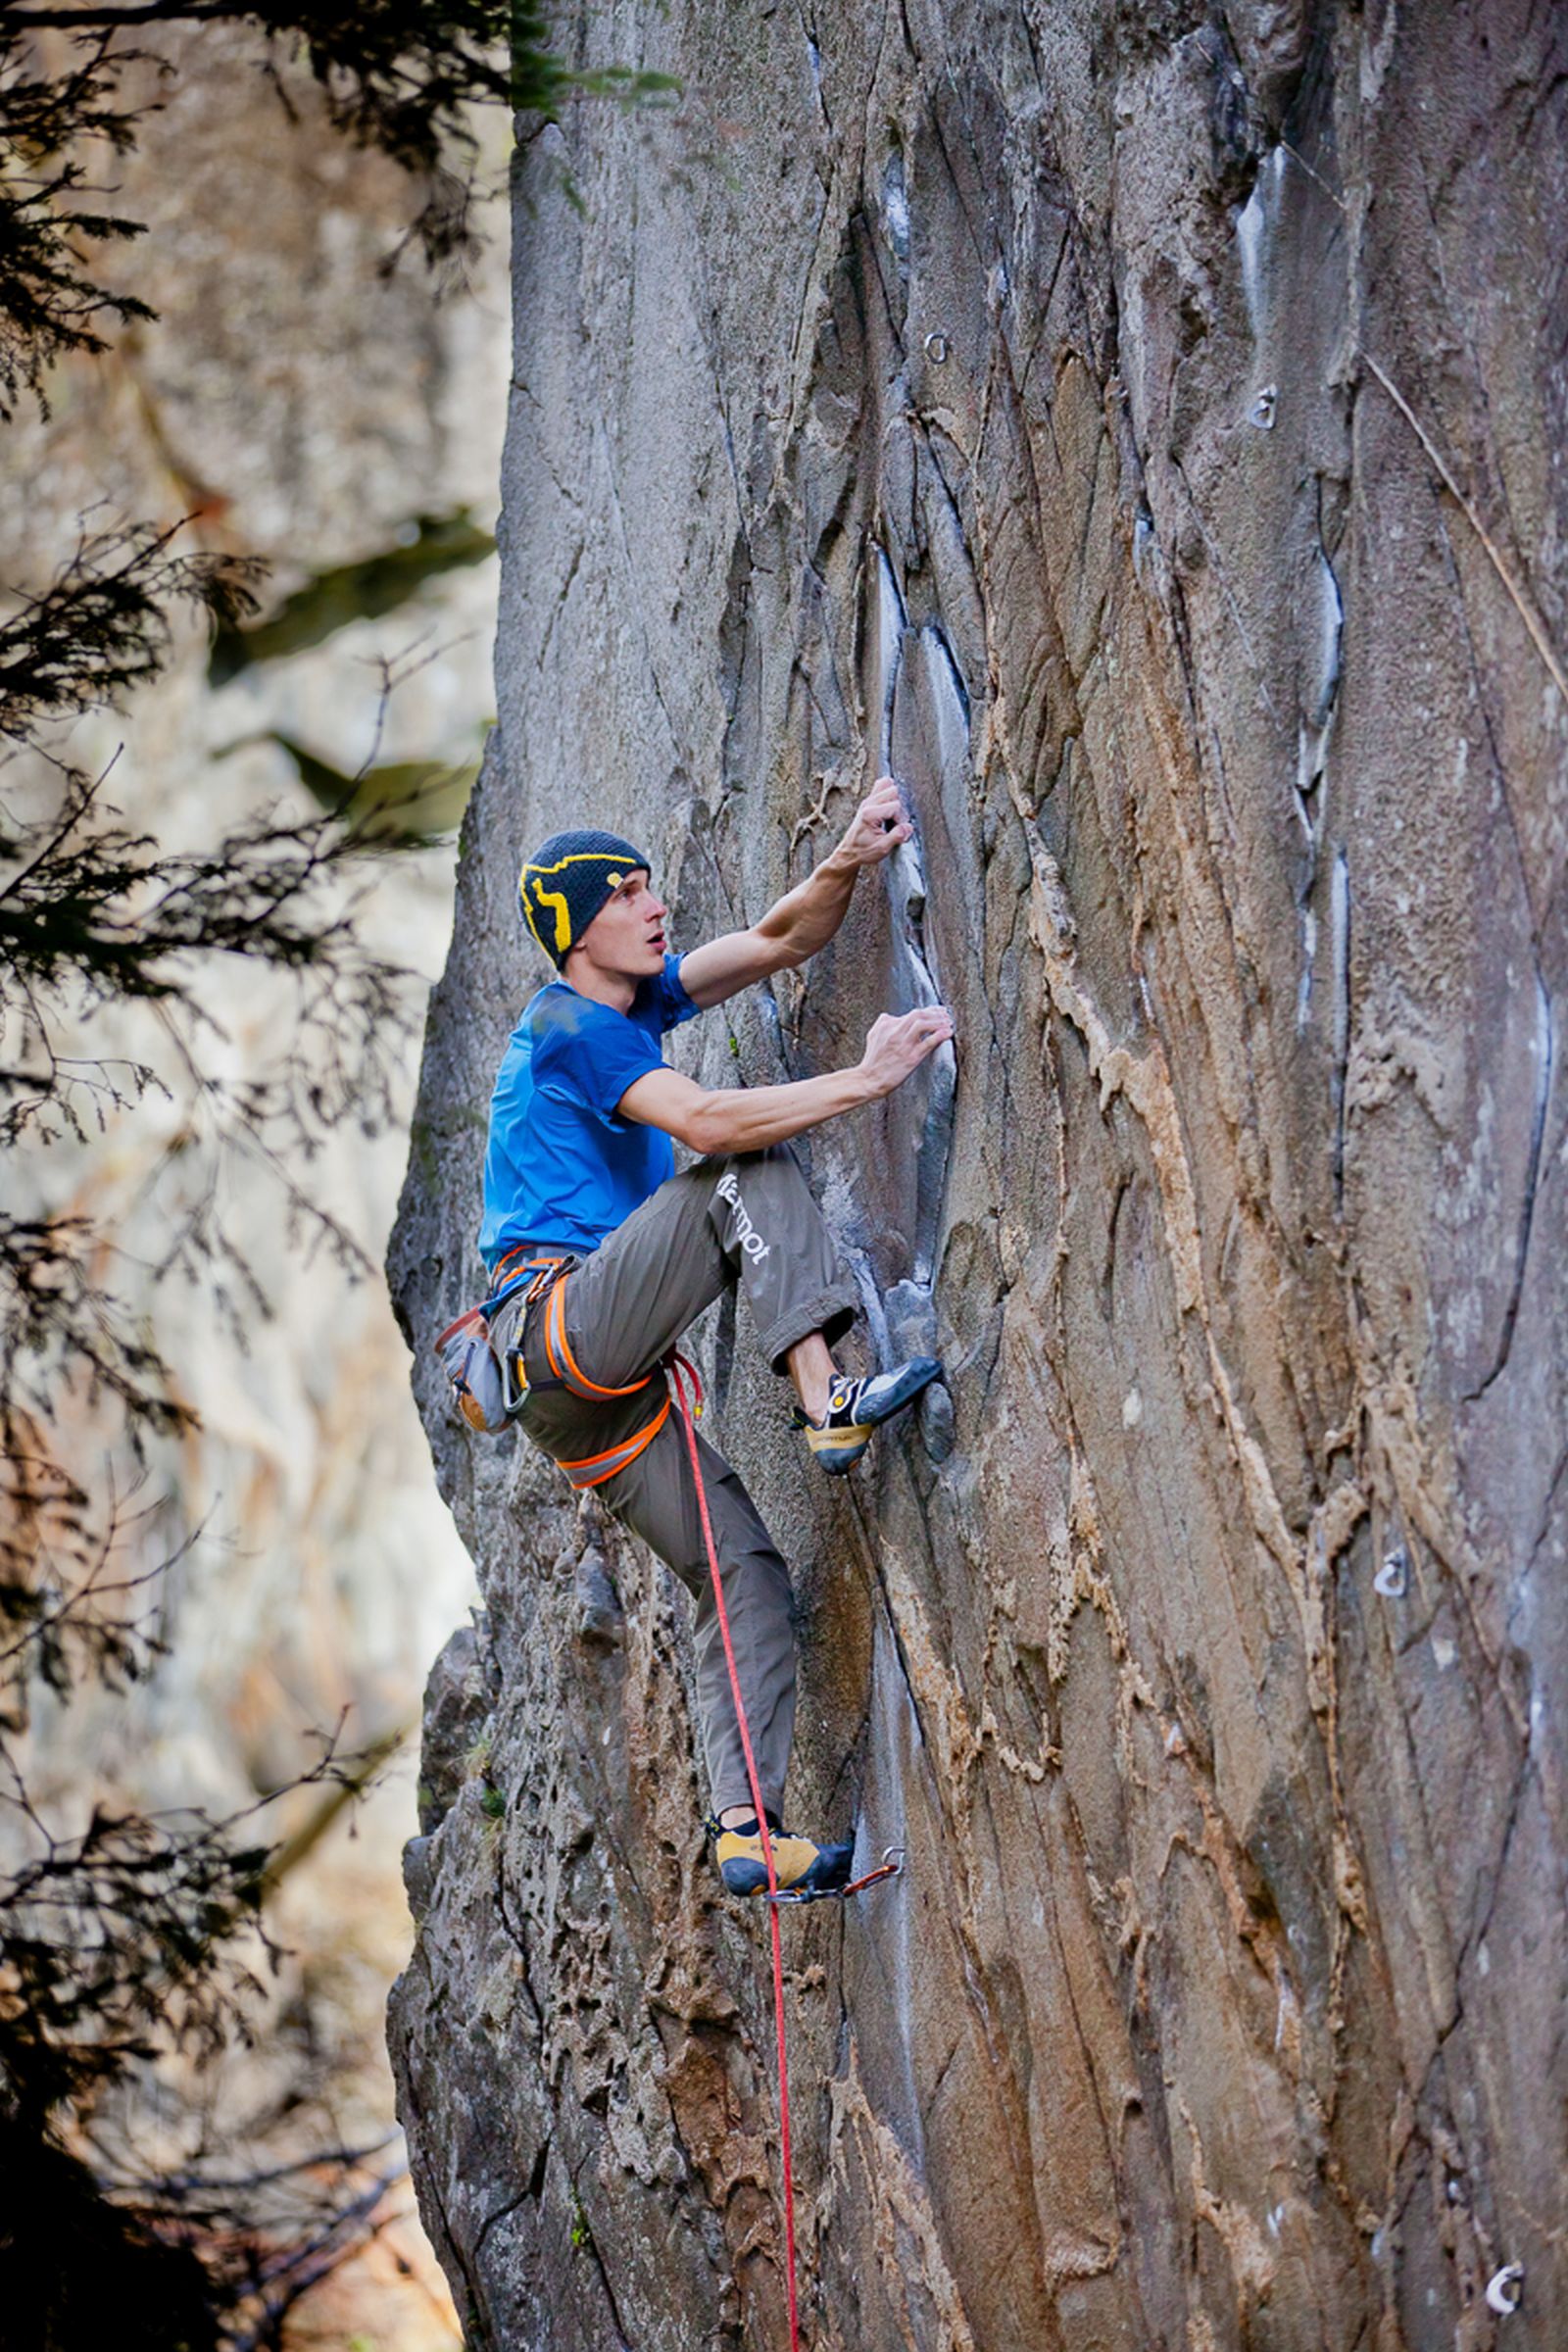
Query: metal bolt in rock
point(1392, 1579)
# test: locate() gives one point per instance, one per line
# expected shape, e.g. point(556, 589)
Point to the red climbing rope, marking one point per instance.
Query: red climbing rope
point(680, 1373)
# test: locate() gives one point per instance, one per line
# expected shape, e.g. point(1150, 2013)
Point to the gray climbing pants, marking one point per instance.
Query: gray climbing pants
point(748, 1218)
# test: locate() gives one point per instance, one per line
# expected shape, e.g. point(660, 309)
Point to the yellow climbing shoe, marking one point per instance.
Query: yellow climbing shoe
point(798, 1864)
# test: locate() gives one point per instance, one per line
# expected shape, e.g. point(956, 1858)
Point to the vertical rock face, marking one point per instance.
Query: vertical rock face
point(1141, 427)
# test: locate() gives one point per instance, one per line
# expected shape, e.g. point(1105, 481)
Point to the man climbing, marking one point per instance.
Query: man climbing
point(602, 1257)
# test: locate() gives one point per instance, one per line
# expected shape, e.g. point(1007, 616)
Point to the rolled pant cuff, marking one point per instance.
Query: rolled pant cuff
point(831, 1312)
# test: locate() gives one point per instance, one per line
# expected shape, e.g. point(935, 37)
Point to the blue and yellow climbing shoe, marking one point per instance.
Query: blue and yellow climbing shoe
point(855, 1406)
point(799, 1866)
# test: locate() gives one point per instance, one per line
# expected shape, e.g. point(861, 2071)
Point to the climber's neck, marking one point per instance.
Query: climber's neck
point(605, 986)
point(604, 989)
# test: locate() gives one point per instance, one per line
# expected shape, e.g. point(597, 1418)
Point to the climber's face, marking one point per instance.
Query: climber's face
point(625, 941)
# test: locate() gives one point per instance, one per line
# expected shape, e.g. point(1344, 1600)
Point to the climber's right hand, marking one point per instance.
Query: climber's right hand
point(897, 1043)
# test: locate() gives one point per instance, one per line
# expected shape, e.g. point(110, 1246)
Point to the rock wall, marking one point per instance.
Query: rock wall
point(1142, 427)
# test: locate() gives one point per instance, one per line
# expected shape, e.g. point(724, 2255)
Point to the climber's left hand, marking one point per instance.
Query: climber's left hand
point(879, 824)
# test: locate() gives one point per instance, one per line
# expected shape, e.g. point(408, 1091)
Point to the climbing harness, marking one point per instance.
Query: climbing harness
point(597, 1467)
point(562, 1364)
point(490, 1385)
point(594, 1468)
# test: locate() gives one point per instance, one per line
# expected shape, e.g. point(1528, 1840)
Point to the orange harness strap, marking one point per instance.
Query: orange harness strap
point(597, 1467)
point(558, 1349)
point(520, 1253)
point(594, 1468)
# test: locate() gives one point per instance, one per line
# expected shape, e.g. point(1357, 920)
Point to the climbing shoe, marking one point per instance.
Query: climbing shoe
point(799, 1866)
point(855, 1406)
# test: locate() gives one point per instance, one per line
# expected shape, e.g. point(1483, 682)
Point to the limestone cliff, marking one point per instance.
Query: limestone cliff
point(1141, 426)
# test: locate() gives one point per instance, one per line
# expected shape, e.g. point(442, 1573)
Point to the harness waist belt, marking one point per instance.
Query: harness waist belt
point(532, 1254)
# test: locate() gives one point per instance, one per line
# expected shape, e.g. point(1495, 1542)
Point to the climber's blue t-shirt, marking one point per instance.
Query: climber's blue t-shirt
point(561, 1167)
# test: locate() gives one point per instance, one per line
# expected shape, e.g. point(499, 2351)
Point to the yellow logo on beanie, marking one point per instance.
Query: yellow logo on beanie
point(550, 898)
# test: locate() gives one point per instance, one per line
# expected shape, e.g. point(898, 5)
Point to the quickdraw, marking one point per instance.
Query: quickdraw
point(890, 1867)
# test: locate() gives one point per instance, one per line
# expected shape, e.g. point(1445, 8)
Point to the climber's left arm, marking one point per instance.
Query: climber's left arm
point(806, 918)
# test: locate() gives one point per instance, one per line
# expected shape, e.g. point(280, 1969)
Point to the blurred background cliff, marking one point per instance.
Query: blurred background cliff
point(309, 392)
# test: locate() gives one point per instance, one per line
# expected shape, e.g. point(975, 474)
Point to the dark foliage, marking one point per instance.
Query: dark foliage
point(108, 1938)
point(79, 2269)
point(102, 626)
point(130, 1934)
point(93, 912)
point(50, 305)
point(397, 76)
point(138, 1936)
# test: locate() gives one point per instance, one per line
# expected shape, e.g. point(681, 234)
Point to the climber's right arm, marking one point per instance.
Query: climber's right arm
point(725, 1119)
point(748, 1118)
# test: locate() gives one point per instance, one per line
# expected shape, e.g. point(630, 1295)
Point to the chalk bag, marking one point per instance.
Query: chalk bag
point(488, 1396)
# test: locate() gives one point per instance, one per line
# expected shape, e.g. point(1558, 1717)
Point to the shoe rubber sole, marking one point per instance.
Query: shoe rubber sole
point(917, 1374)
point(830, 1869)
